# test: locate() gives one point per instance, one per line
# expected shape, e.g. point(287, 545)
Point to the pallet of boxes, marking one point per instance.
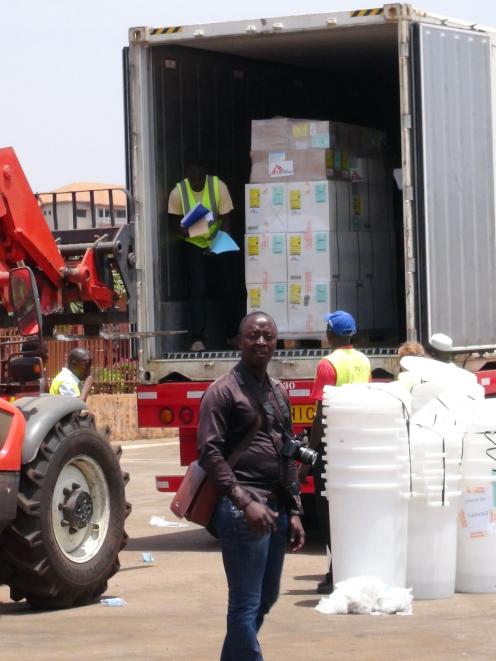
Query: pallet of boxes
point(319, 226)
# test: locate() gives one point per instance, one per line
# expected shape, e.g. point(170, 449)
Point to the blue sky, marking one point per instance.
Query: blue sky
point(61, 83)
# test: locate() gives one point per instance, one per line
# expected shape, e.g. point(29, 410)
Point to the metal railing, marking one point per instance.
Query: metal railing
point(115, 368)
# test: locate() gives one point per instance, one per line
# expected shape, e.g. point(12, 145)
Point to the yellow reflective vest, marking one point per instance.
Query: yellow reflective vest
point(351, 366)
point(210, 200)
point(69, 382)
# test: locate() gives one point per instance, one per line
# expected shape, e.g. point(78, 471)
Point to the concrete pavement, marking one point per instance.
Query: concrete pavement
point(176, 605)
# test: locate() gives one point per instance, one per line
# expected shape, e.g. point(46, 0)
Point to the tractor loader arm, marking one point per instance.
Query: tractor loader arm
point(75, 268)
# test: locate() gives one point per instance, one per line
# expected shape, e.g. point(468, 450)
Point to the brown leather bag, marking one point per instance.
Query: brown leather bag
point(196, 498)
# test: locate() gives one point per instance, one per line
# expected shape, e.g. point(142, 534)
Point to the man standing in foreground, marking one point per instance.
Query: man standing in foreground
point(343, 365)
point(74, 380)
point(210, 191)
point(260, 501)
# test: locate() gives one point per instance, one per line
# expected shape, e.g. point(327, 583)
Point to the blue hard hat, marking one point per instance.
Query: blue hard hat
point(340, 323)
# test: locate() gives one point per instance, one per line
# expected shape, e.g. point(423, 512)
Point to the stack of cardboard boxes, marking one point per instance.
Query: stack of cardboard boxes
point(319, 227)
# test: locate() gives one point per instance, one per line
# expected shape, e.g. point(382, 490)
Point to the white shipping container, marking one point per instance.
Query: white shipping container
point(272, 298)
point(265, 208)
point(265, 258)
point(311, 206)
point(308, 253)
point(309, 302)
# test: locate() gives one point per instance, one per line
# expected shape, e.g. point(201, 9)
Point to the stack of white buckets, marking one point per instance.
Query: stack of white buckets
point(409, 480)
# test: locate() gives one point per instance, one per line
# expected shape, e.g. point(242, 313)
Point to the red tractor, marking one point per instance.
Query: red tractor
point(62, 499)
point(62, 502)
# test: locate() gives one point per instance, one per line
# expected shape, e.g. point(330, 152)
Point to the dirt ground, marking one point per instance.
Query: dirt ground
point(176, 604)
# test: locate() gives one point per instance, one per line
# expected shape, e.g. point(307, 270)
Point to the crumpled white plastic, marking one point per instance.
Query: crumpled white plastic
point(162, 523)
point(366, 594)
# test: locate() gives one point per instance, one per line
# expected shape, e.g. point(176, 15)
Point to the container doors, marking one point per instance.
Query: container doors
point(455, 190)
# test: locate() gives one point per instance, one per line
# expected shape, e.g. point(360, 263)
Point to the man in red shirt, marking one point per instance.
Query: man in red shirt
point(343, 365)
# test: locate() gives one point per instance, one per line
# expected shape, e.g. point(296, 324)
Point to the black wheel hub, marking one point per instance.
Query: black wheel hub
point(77, 508)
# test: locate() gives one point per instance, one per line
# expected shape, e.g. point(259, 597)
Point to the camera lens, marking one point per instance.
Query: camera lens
point(307, 456)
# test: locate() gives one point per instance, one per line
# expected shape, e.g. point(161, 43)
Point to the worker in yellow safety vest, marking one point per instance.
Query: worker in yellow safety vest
point(75, 380)
point(201, 264)
point(343, 365)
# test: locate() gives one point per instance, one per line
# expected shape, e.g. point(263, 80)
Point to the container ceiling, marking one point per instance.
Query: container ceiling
point(370, 50)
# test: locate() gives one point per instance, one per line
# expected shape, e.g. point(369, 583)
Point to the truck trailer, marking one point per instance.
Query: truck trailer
point(424, 81)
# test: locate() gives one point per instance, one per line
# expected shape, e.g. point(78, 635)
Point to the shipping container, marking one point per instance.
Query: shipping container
point(424, 81)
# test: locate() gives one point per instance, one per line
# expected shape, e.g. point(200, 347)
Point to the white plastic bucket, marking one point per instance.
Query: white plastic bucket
point(368, 533)
point(476, 569)
point(431, 558)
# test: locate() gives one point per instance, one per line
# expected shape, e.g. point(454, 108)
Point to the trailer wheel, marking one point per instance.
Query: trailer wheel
point(63, 545)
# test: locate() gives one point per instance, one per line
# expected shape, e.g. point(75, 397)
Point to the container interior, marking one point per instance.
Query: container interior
point(205, 94)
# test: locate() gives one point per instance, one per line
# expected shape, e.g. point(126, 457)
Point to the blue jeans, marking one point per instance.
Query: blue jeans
point(253, 566)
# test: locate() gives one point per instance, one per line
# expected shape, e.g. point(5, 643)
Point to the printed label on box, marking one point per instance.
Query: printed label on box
point(277, 244)
point(300, 130)
point(321, 193)
point(295, 294)
point(254, 198)
point(253, 246)
point(337, 159)
point(277, 196)
point(320, 141)
point(279, 293)
point(295, 245)
point(321, 293)
point(281, 169)
point(321, 241)
point(295, 199)
point(357, 204)
point(277, 156)
point(345, 161)
point(255, 297)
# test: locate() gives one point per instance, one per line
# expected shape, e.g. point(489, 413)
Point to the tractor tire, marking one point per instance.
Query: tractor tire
point(63, 545)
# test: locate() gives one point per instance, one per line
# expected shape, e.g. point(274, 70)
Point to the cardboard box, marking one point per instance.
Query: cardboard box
point(271, 298)
point(265, 208)
point(347, 297)
point(365, 265)
point(380, 206)
point(281, 133)
point(345, 261)
point(265, 258)
point(343, 206)
point(360, 215)
point(312, 206)
point(288, 165)
point(308, 256)
point(365, 319)
point(385, 303)
point(383, 246)
point(309, 302)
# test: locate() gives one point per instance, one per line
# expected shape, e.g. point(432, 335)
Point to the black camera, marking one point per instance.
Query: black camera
point(296, 447)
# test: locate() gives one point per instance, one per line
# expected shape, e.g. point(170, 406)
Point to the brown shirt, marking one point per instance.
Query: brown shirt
point(229, 410)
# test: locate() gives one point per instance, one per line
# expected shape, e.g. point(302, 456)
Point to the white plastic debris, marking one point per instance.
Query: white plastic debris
point(147, 557)
point(366, 594)
point(113, 602)
point(159, 522)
